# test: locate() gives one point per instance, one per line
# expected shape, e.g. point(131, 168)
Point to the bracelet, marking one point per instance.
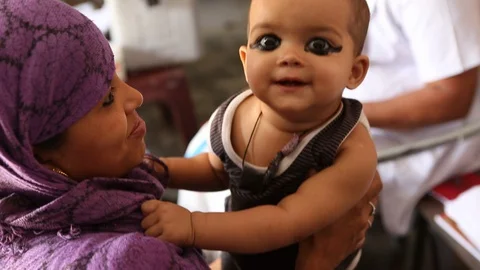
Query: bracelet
point(193, 230)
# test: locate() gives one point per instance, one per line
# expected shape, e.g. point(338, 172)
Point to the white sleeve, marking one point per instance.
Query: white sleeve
point(444, 35)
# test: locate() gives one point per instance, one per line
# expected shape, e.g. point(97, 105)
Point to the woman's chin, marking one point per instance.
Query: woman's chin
point(140, 155)
point(139, 151)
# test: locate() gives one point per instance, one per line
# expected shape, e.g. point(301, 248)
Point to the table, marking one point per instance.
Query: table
point(428, 209)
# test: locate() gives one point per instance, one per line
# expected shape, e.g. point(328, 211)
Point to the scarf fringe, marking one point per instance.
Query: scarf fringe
point(72, 233)
point(13, 240)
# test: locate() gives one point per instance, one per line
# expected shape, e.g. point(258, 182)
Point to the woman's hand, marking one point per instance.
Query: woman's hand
point(344, 236)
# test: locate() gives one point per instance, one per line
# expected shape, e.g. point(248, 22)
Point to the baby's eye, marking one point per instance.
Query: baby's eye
point(109, 99)
point(266, 43)
point(321, 46)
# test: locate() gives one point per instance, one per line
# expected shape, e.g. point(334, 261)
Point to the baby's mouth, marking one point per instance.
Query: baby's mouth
point(290, 82)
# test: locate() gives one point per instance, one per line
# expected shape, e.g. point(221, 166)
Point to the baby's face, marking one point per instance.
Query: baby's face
point(300, 54)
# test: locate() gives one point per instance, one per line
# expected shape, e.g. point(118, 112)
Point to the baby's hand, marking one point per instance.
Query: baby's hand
point(169, 222)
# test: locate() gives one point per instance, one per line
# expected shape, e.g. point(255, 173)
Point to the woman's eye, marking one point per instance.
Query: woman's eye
point(266, 43)
point(109, 99)
point(320, 46)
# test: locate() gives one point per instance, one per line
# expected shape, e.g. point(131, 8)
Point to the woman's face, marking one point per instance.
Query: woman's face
point(107, 142)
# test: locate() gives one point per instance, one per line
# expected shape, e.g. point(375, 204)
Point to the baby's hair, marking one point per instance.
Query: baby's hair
point(358, 25)
point(359, 22)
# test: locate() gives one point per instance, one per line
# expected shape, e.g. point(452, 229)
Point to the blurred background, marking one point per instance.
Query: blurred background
point(215, 76)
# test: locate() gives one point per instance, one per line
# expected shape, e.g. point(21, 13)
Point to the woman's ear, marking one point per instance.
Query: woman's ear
point(243, 57)
point(359, 71)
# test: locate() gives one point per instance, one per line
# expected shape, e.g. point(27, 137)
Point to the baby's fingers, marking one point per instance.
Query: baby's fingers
point(149, 221)
point(154, 231)
point(149, 206)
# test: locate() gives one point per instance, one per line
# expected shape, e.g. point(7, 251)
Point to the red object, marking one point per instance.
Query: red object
point(168, 87)
point(450, 189)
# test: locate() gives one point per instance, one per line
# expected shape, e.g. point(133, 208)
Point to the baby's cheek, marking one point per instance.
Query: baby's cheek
point(258, 71)
point(331, 80)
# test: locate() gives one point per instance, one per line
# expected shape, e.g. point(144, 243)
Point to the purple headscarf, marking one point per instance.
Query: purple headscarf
point(55, 66)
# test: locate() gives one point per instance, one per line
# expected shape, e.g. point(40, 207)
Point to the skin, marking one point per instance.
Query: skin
point(99, 145)
point(307, 215)
point(426, 105)
point(329, 76)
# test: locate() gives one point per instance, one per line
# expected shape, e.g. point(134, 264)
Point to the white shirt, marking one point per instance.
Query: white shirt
point(410, 43)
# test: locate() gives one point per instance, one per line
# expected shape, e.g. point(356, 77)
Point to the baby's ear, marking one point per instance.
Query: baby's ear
point(359, 71)
point(243, 57)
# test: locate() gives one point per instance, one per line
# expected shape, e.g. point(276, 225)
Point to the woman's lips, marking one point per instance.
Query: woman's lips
point(138, 130)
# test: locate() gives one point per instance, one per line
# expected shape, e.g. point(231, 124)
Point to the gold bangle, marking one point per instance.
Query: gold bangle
point(193, 230)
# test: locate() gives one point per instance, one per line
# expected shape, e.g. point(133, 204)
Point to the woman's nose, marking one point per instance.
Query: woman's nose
point(134, 99)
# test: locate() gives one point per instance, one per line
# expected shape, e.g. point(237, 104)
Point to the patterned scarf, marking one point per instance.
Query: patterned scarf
point(55, 66)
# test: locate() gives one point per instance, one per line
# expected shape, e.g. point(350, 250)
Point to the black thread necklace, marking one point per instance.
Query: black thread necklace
point(275, 163)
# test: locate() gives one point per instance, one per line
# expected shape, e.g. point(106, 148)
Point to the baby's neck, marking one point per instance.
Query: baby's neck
point(298, 123)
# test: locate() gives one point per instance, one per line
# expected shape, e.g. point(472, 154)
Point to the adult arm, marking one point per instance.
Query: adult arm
point(444, 39)
point(435, 103)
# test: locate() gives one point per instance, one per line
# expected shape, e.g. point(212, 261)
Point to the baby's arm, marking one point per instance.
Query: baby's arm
point(201, 173)
point(318, 202)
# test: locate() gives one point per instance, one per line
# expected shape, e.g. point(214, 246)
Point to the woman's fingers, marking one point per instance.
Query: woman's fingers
point(360, 243)
point(371, 200)
point(375, 188)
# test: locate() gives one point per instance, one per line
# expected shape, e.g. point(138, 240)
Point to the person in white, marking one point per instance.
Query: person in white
point(422, 83)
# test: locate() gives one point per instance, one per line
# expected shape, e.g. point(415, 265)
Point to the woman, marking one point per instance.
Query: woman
point(71, 143)
point(72, 176)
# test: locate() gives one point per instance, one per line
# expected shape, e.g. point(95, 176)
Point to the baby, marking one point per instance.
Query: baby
point(295, 155)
